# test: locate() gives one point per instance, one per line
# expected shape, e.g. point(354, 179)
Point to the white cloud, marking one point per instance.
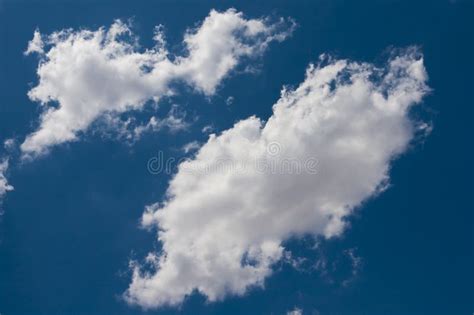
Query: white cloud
point(90, 73)
point(295, 311)
point(208, 129)
point(36, 45)
point(191, 146)
point(9, 144)
point(131, 130)
point(4, 186)
point(229, 100)
point(356, 265)
point(228, 210)
point(174, 121)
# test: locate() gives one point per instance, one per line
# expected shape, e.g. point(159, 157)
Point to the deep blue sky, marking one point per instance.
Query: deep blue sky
point(71, 225)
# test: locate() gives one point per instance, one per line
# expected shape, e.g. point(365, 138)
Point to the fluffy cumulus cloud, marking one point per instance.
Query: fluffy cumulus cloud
point(4, 186)
point(326, 149)
point(84, 74)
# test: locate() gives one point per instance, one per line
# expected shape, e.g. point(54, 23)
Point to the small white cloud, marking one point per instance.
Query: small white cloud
point(208, 129)
point(229, 101)
point(325, 150)
point(9, 144)
point(36, 45)
point(174, 122)
point(4, 186)
point(191, 146)
point(130, 130)
point(88, 74)
point(295, 311)
point(356, 265)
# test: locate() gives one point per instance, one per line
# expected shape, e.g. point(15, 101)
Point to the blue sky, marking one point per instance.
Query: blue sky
point(71, 227)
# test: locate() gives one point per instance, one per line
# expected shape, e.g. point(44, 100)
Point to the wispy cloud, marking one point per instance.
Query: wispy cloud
point(4, 186)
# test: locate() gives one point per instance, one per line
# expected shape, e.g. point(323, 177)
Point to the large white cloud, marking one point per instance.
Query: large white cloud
point(84, 74)
point(326, 149)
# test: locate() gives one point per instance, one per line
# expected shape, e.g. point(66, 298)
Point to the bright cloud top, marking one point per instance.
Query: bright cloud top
point(89, 73)
point(222, 228)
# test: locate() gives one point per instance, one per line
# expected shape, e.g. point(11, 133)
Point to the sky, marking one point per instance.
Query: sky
point(204, 157)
